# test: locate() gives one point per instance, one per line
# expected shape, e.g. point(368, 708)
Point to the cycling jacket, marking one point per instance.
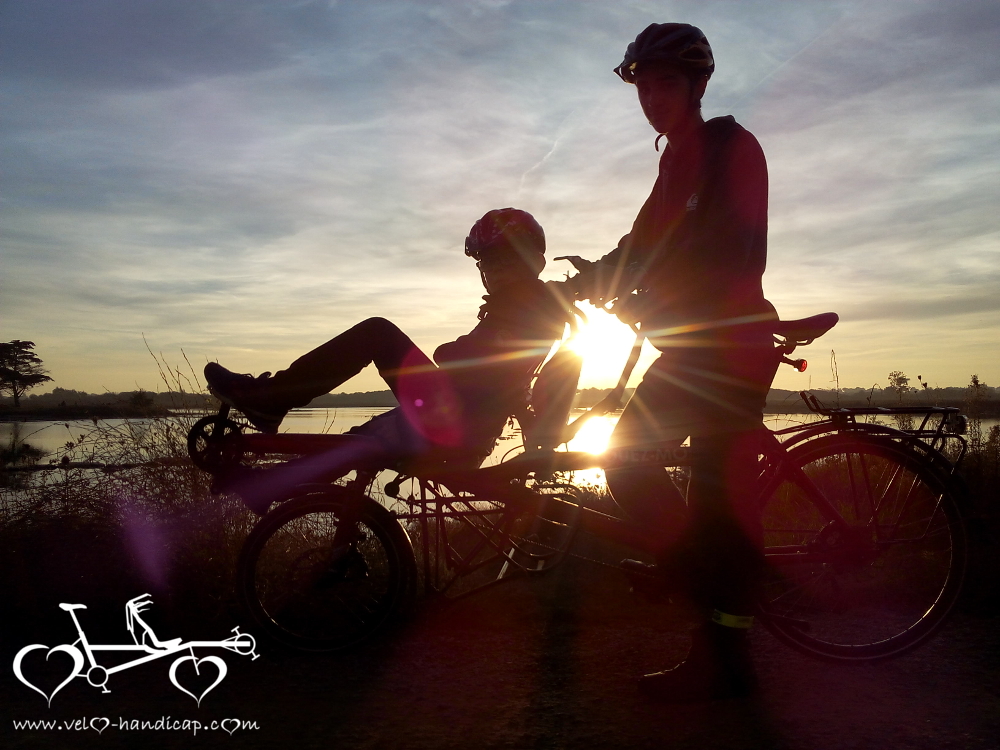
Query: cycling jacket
point(700, 240)
point(491, 366)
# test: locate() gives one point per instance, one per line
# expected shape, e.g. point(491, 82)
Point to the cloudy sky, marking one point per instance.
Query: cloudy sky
point(240, 180)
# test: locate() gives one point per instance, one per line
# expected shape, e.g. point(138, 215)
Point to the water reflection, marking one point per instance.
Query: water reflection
point(593, 437)
point(50, 436)
point(14, 449)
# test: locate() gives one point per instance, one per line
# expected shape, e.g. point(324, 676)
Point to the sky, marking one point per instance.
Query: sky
point(239, 181)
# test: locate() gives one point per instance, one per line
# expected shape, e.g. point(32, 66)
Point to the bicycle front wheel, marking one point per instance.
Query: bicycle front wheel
point(882, 582)
point(311, 592)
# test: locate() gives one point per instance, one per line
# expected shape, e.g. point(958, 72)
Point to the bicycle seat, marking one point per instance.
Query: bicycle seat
point(157, 644)
point(804, 330)
point(71, 607)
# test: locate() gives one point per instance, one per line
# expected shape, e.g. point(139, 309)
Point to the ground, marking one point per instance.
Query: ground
point(544, 663)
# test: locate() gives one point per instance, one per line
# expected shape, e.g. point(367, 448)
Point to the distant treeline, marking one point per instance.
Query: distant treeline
point(63, 403)
point(780, 401)
point(368, 398)
point(985, 404)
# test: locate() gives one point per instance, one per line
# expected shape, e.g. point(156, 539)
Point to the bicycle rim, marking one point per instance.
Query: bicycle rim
point(310, 594)
point(885, 586)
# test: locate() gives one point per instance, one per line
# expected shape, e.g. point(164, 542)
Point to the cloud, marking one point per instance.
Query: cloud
point(245, 179)
point(882, 140)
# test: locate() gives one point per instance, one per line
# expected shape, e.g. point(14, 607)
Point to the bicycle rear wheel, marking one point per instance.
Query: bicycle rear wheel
point(311, 593)
point(882, 585)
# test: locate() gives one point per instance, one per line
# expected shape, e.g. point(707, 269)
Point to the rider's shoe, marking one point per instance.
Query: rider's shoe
point(718, 667)
point(252, 396)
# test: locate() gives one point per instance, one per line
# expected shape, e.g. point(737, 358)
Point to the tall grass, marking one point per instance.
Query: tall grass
point(88, 535)
point(67, 534)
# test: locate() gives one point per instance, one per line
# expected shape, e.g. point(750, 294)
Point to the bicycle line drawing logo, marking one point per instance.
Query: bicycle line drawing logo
point(150, 648)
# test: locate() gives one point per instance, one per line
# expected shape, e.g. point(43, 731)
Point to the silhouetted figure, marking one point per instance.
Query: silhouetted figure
point(460, 399)
point(695, 257)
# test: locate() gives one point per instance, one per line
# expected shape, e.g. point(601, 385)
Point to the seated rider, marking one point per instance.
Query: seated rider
point(462, 398)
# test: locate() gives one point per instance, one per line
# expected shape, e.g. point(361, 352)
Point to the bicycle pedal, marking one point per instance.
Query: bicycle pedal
point(647, 581)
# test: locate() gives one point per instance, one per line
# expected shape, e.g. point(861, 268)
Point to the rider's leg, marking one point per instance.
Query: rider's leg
point(725, 558)
point(725, 520)
point(266, 400)
point(723, 549)
point(375, 340)
point(648, 494)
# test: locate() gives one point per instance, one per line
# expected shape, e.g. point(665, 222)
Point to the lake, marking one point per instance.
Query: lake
point(51, 436)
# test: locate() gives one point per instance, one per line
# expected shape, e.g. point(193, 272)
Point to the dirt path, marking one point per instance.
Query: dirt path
point(547, 664)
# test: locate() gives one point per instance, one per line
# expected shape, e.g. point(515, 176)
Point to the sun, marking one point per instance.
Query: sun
point(603, 342)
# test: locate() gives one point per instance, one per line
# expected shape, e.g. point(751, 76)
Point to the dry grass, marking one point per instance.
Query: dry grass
point(79, 534)
point(85, 534)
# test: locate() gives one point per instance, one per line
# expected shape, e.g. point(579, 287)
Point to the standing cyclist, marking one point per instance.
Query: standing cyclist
point(689, 273)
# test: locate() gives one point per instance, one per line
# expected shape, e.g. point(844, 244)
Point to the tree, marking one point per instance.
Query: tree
point(20, 369)
point(898, 384)
point(976, 394)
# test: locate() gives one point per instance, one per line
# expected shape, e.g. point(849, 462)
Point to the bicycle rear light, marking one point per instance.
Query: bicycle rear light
point(798, 364)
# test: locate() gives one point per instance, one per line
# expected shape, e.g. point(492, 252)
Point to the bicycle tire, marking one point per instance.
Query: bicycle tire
point(886, 587)
point(307, 595)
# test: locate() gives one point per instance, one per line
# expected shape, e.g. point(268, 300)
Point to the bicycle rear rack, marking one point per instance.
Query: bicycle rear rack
point(951, 425)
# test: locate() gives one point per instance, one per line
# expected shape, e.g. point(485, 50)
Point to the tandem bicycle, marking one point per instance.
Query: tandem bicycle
point(865, 545)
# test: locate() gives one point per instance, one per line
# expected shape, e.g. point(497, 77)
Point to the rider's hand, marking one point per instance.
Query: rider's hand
point(579, 286)
point(628, 309)
point(601, 283)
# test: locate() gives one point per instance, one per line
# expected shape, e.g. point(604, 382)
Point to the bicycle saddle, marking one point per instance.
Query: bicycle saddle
point(804, 330)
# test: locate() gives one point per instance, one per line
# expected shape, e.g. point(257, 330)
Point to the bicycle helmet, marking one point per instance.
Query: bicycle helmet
point(506, 233)
point(682, 44)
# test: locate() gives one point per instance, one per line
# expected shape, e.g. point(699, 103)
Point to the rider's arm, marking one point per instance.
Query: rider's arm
point(491, 365)
point(700, 238)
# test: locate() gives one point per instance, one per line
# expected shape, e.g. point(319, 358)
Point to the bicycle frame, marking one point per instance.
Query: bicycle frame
point(505, 484)
point(234, 643)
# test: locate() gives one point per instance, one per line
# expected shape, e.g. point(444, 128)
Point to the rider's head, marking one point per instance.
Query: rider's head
point(508, 246)
point(670, 63)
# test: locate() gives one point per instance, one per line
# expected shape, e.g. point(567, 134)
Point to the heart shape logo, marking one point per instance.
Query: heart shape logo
point(103, 721)
point(226, 723)
point(219, 664)
point(72, 651)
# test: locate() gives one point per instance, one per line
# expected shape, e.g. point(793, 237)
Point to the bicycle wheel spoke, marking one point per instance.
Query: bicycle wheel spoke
point(880, 580)
point(310, 591)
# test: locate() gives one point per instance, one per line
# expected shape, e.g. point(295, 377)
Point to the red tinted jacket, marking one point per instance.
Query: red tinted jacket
point(700, 239)
point(491, 366)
